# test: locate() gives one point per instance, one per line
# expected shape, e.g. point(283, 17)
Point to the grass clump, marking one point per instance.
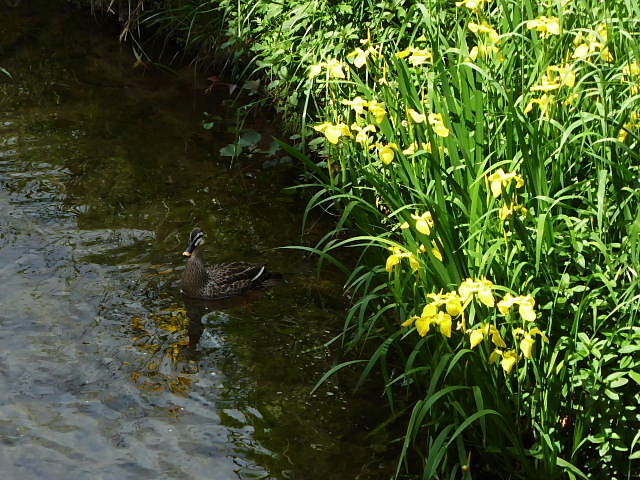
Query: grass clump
point(488, 154)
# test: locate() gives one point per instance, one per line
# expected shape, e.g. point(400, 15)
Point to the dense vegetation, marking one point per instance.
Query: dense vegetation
point(482, 157)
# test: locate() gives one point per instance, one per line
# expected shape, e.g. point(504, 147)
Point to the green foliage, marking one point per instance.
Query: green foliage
point(517, 139)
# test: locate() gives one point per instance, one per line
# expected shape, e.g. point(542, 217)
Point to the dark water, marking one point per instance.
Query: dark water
point(106, 372)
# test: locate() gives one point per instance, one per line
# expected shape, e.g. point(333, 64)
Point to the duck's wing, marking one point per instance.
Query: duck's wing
point(241, 273)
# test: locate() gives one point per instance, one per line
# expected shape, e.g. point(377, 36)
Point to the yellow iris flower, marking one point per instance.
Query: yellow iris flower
point(451, 301)
point(545, 102)
point(411, 149)
point(360, 56)
point(358, 104)
point(545, 26)
point(430, 316)
point(527, 342)
point(435, 251)
point(526, 306)
point(386, 153)
point(416, 117)
point(334, 68)
point(377, 110)
point(485, 29)
point(474, 5)
point(482, 288)
point(477, 335)
point(397, 255)
point(416, 56)
point(483, 50)
point(488, 46)
point(509, 360)
point(333, 132)
point(425, 146)
point(566, 74)
point(550, 81)
point(499, 180)
point(508, 209)
point(363, 132)
point(424, 222)
point(437, 123)
point(594, 43)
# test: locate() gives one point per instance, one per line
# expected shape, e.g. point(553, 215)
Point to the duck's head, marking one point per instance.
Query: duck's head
point(196, 239)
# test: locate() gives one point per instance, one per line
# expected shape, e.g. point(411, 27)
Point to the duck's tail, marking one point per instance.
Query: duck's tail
point(266, 279)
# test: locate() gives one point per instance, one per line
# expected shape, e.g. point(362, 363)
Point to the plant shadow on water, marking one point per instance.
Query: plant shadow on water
point(107, 370)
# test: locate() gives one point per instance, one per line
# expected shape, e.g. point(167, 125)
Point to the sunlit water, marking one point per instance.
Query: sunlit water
point(106, 372)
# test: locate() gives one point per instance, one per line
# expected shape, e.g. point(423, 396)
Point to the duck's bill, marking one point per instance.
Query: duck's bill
point(186, 254)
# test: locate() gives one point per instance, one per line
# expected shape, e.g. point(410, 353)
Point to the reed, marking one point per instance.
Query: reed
point(500, 140)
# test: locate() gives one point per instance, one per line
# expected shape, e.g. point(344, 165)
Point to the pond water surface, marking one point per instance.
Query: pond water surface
point(106, 372)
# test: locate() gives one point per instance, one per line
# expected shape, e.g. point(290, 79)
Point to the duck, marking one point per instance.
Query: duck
point(223, 280)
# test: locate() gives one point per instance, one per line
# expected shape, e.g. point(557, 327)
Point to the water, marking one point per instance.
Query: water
point(106, 371)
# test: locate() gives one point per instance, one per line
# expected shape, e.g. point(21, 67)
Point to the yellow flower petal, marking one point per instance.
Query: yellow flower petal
point(496, 338)
point(473, 54)
point(441, 130)
point(495, 355)
point(422, 325)
point(436, 122)
point(526, 308)
point(527, 313)
point(377, 110)
point(495, 182)
point(485, 29)
point(466, 290)
point(410, 321)
point(476, 337)
point(413, 263)
point(358, 104)
point(537, 331)
point(424, 222)
point(392, 261)
point(420, 56)
point(444, 322)
point(581, 51)
point(315, 70)
point(363, 132)
point(545, 25)
point(416, 117)
point(423, 227)
point(430, 310)
point(386, 154)
point(485, 296)
point(509, 360)
point(435, 251)
point(505, 304)
point(334, 67)
point(453, 305)
point(526, 346)
point(333, 133)
point(359, 57)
